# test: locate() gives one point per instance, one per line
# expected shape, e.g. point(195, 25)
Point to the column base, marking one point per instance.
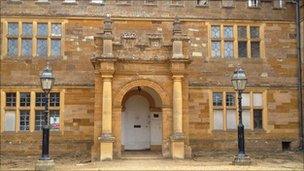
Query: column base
point(177, 146)
point(106, 147)
point(45, 165)
point(241, 159)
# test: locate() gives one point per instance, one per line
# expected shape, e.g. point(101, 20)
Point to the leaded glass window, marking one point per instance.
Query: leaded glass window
point(55, 47)
point(26, 47)
point(230, 99)
point(242, 49)
point(54, 119)
point(228, 49)
point(54, 99)
point(41, 47)
point(216, 49)
point(56, 29)
point(42, 29)
point(24, 120)
point(12, 47)
point(39, 119)
point(242, 32)
point(215, 32)
point(228, 32)
point(27, 29)
point(10, 99)
point(25, 99)
point(255, 49)
point(217, 99)
point(254, 32)
point(13, 29)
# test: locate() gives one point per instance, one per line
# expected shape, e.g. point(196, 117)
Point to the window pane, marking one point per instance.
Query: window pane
point(39, 120)
point(54, 119)
point(246, 119)
point(42, 47)
point(228, 32)
point(254, 32)
point(26, 47)
point(12, 47)
point(42, 29)
point(13, 29)
point(258, 119)
point(217, 99)
point(245, 99)
point(54, 99)
point(24, 120)
point(228, 49)
point(216, 49)
point(56, 47)
point(230, 99)
point(10, 121)
point(56, 29)
point(25, 99)
point(40, 99)
point(242, 32)
point(10, 99)
point(255, 49)
point(231, 119)
point(215, 32)
point(218, 119)
point(257, 99)
point(242, 49)
point(27, 29)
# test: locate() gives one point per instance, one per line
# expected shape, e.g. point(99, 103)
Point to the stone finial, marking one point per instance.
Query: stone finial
point(107, 24)
point(177, 26)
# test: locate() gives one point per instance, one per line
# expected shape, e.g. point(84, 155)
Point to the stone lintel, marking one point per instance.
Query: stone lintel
point(106, 137)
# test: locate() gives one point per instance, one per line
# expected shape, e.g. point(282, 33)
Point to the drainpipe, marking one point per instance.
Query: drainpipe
point(300, 83)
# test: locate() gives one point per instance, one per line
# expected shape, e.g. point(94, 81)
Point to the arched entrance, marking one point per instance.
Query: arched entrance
point(141, 120)
point(155, 102)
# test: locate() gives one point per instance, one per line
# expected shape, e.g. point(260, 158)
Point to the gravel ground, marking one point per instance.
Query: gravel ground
point(203, 161)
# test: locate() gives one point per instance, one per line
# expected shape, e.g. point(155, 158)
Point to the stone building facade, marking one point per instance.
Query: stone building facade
point(135, 75)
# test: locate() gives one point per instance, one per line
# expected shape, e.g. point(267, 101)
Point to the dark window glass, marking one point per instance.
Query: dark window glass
point(217, 99)
point(10, 99)
point(258, 123)
point(40, 99)
point(24, 120)
point(39, 119)
point(54, 119)
point(230, 99)
point(242, 49)
point(25, 99)
point(54, 99)
point(255, 49)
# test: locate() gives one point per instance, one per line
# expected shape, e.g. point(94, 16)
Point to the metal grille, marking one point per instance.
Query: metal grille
point(25, 99)
point(41, 47)
point(42, 29)
point(215, 32)
point(55, 47)
point(12, 47)
point(24, 120)
point(26, 47)
point(56, 29)
point(216, 49)
point(228, 49)
point(27, 29)
point(13, 29)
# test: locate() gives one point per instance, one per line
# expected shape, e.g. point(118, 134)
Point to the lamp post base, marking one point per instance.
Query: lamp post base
point(241, 159)
point(45, 165)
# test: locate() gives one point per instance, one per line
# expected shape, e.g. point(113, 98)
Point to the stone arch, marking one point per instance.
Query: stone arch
point(118, 100)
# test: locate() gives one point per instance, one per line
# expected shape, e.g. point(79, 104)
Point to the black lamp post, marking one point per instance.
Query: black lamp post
point(239, 81)
point(47, 80)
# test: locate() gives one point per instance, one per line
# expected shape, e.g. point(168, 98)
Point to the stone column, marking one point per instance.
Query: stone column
point(107, 139)
point(177, 138)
